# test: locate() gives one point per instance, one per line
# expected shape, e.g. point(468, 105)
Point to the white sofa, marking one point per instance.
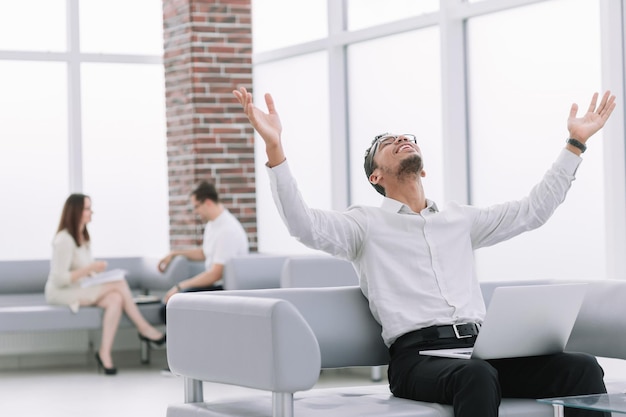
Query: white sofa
point(311, 271)
point(23, 307)
point(276, 341)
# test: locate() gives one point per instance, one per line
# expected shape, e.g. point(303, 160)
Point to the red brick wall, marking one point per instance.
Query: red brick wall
point(208, 53)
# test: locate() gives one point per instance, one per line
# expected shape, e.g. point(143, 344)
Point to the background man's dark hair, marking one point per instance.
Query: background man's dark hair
point(205, 191)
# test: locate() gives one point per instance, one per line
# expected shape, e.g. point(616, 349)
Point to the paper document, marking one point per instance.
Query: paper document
point(146, 299)
point(101, 278)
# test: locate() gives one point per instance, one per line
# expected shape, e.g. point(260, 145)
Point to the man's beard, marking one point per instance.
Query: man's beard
point(410, 167)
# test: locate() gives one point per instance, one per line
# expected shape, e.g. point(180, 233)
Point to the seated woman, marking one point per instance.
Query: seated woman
point(72, 263)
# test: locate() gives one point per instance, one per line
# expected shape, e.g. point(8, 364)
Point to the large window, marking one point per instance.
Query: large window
point(283, 23)
point(124, 157)
point(393, 86)
point(521, 89)
point(82, 111)
point(486, 86)
point(366, 13)
point(306, 139)
point(33, 155)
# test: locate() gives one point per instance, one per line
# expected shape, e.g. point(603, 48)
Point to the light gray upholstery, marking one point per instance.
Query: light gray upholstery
point(23, 277)
point(253, 271)
point(321, 271)
point(317, 271)
point(285, 357)
point(340, 319)
point(23, 307)
point(43, 317)
point(347, 336)
point(30, 276)
point(179, 269)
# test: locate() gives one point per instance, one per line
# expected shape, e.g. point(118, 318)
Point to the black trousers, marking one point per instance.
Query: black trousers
point(474, 387)
point(163, 309)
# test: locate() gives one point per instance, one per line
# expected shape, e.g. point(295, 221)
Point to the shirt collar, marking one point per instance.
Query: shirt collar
point(394, 206)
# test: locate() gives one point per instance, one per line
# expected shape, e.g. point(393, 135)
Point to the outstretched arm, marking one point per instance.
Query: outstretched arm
point(582, 128)
point(266, 124)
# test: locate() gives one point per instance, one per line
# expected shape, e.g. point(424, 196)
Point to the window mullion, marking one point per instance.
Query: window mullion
point(74, 98)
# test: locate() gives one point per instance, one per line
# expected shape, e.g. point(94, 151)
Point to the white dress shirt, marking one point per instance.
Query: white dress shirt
point(417, 269)
point(224, 238)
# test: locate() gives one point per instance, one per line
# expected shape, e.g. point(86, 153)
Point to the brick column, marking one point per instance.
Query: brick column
point(208, 53)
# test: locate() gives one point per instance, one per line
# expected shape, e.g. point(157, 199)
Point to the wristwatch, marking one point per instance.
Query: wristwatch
point(577, 144)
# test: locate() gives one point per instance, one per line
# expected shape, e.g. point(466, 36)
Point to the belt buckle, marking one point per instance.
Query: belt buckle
point(456, 331)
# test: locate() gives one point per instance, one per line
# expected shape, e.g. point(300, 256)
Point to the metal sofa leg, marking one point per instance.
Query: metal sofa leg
point(193, 390)
point(145, 352)
point(377, 374)
point(282, 404)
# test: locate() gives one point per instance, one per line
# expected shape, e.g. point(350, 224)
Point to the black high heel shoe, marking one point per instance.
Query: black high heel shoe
point(158, 342)
point(107, 371)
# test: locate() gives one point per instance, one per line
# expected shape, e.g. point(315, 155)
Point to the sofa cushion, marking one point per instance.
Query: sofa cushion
point(30, 312)
point(23, 276)
point(317, 271)
point(30, 276)
point(348, 311)
point(47, 318)
point(253, 271)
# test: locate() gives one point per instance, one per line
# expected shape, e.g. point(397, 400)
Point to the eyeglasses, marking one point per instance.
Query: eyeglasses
point(383, 140)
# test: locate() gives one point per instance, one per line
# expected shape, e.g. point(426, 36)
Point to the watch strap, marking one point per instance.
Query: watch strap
point(577, 144)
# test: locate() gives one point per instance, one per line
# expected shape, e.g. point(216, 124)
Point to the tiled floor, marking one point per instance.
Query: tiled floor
point(137, 390)
point(142, 390)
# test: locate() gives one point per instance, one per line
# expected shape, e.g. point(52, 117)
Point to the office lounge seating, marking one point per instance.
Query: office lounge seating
point(23, 307)
point(311, 271)
point(253, 271)
point(277, 340)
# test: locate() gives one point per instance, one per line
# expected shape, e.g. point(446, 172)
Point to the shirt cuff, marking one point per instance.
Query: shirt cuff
point(279, 170)
point(569, 161)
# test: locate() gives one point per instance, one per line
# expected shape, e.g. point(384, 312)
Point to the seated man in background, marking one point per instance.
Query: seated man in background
point(224, 238)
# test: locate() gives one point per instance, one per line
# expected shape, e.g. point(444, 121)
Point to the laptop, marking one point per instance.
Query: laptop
point(524, 321)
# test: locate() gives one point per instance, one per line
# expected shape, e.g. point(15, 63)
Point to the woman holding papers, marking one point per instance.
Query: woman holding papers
point(71, 269)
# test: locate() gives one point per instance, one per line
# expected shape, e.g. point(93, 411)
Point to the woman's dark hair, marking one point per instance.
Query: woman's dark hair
point(205, 191)
point(72, 215)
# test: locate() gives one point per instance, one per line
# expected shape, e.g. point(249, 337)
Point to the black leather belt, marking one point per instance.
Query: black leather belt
point(453, 331)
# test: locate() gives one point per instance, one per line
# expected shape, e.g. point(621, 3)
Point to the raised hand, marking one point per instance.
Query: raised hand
point(266, 124)
point(582, 128)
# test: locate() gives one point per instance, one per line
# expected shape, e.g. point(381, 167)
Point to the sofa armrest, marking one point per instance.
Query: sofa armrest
point(259, 343)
